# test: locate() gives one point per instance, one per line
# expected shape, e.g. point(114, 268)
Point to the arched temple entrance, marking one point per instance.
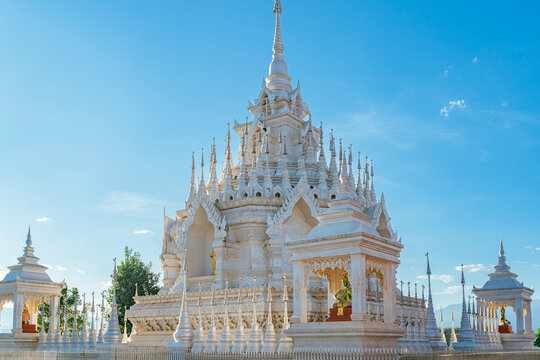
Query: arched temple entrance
point(200, 236)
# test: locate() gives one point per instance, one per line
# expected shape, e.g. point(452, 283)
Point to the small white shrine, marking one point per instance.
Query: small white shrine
point(27, 286)
point(503, 291)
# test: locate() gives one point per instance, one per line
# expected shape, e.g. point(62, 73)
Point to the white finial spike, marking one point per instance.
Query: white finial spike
point(278, 77)
point(501, 248)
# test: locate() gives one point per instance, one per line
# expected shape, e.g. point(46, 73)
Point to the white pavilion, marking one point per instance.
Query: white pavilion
point(27, 285)
point(503, 290)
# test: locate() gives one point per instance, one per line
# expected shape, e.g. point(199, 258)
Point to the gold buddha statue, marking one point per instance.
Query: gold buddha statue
point(504, 321)
point(25, 316)
point(343, 296)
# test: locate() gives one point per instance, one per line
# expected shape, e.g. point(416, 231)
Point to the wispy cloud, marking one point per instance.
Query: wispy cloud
point(142, 232)
point(452, 104)
point(129, 203)
point(537, 249)
point(60, 268)
point(80, 271)
point(474, 267)
point(528, 247)
point(444, 278)
point(504, 103)
point(446, 72)
point(475, 59)
point(44, 219)
point(395, 129)
point(454, 289)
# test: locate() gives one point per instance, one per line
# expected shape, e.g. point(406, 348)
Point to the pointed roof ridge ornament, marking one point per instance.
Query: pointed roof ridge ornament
point(501, 248)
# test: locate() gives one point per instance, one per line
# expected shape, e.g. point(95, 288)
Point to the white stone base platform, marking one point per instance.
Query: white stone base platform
point(344, 336)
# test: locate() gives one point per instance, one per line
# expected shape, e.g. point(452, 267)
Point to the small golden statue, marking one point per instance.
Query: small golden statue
point(503, 321)
point(343, 296)
point(25, 316)
point(213, 256)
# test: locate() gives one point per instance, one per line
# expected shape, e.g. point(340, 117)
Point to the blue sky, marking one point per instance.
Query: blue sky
point(101, 104)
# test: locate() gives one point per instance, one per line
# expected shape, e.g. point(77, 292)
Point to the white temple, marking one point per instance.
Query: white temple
point(282, 222)
point(285, 251)
point(279, 210)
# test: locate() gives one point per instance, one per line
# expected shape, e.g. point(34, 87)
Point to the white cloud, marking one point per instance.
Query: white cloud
point(80, 271)
point(60, 268)
point(444, 278)
point(130, 203)
point(142, 232)
point(446, 71)
point(44, 219)
point(475, 59)
point(3, 272)
point(537, 249)
point(474, 267)
point(504, 103)
point(528, 247)
point(452, 104)
point(454, 289)
point(106, 285)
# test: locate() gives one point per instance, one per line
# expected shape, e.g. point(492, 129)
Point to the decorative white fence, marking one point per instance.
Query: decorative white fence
point(168, 354)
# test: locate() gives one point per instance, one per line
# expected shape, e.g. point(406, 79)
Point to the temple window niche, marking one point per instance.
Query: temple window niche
point(199, 244)
point(297, 226)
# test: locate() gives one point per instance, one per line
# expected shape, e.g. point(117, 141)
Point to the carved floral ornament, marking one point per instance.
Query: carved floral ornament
point(300, 191)
point(323, 267)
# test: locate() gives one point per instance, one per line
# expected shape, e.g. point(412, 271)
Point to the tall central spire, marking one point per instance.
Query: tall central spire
point(278, 77)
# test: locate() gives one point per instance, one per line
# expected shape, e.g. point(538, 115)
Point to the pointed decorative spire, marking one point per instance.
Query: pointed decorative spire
point(239, 344)
point(202, 183)
point(270, 343)
point(212, 340)
point(465, 336)
point(183, 336)
point(192, 187)
point(285, 342)
point(92, 334)
point(28, 249)
point(350, 162)
point(453, 338)
point(372, 191)
point(102, 323)
point(74, 342)
point(113, 334)
point(278, 77)
point(225, 342)
point(322, 174)
point(254, 342)
point(432, 330)
point(200, 338)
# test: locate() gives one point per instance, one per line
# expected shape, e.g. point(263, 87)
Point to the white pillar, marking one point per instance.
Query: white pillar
point(300, 293)
point(528, 318)
point(18, 306)
point(53, 308)
point(519, 316)
point(389, 293)
point(357, 279)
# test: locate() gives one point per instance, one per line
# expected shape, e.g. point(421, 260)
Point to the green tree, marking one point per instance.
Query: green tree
point(70, 297)
point(132, 272)
point(537, 341)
